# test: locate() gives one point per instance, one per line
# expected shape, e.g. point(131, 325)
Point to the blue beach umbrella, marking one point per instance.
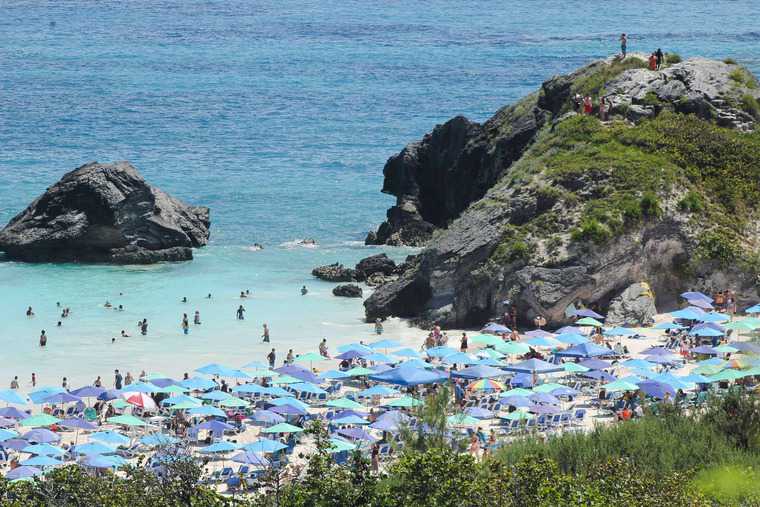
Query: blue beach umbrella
point(495, 328)
point(687, 314)
point(753, 309)
point(216, 396)
point(88, 392)
point(619, 331)
point(377, 357)
point(359, 347)
point(110, 437)
point(214, 369)
point(207, 410)
point(385, 344)
point(705, 331)
point(288, 410)
point(459, 358)
point(249, 388)
point(586, 312)
point(93, 448)
point(38, 396)
point(218, 447)
point(12, 396)
point(441, 351)
point(23, 472)
point(715, 317)
point(479, 371)
point(41, 436)
point(140, 387)
point(7, 434)
point(278, 402)
point(43, 450)
point(307, 387)
point(544, 341)
point(333, 374)
point(585, 350)
point(407, 352)
point(13, 413)
point(656, 389)
point(251, 458)
point(668, 326)
point(158, 439)
point(534, 366)
point(100, 461)
point(215, 426)
point(41, 461)
point(571, 338)
point(264, 445)
point(409, 376)
point(198, 384)
point(378, 390)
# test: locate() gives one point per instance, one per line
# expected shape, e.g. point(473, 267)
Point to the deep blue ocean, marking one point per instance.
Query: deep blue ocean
point(279, 116)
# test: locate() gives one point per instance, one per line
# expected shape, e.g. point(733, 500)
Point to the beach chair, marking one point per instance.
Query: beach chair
point(225, 474)
point(233, 483)
point(322, 397)
point(541, 422)
point(214, 477)
point(579, 416)
point(565, 419)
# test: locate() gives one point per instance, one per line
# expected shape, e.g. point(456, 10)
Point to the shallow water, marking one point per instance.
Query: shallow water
point(279, 116)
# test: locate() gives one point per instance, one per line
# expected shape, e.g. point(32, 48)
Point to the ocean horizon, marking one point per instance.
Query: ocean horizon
point(279, 117)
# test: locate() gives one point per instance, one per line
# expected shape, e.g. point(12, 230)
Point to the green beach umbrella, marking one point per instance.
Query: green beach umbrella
point(233, 402)
point(344, 403)
point(126, 420)
point(486, 339)
point(404, 402)
point(39, 420)
point(286, 379)
point(120, 403)
point(518, 415)
point(707, 369)
point(185, 405)
point(588, 321)
point(337, 445)
point(360, 372)
point(282, 428)
point(493, 354)
point(620, 385)
point(726, 349)
point(309, 357)
point(726, 375)
point(574, 368)
point(741, 325)
point(263, 373)
point(512, 348)
point(547, 388)
point(462, 420)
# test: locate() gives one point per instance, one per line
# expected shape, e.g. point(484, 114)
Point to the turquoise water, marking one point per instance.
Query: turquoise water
point(278, 116)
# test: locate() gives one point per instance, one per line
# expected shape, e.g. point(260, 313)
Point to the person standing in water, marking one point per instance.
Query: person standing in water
point(29, 312)
point(185, 324)
point(265, 336)
point(34, 379)
point(240, 312)
point(144, 327)
point(197, 318)
point(43, 339)
point(117, 379)
point(289, 358)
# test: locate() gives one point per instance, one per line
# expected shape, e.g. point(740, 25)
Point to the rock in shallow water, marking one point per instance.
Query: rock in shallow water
point(348, 291)
point(105, 213)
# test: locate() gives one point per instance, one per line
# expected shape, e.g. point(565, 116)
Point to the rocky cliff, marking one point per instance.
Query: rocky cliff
point(546, 208)
point(105, 213)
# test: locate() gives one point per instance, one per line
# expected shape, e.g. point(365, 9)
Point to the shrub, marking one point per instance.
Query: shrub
point(729, 485)
point(671, 58)
point(742, 77)
point(750, 105)
point(591, 230)
point(717, 246)
point(729, 61)
point(650, 205)
point(692, 202)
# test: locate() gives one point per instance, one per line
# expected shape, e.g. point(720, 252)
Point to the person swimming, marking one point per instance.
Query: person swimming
point(124, 334)
point(184, 299)
point(304, 290)
point(108, 304)
point(209, 296)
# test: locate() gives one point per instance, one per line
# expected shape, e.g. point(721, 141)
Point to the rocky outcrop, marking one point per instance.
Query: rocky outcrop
point(375, 264)
point(587, 208)
point(105, 213)
point(347, 291)
point(634, 307)
point(334, 273)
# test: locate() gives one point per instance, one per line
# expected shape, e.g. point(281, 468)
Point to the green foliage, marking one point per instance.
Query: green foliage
point(513, 247)
point(718, 246)
point(591, 229)
point(729, 485)
point(729, 61)
point(692, 202)
point(742, 77)
point(651, 99)
point(650, 205)
point(750, 105)
point(738, 415)
point(671, 58)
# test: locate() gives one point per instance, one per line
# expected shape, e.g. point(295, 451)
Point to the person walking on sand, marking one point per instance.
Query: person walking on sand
point(265, 336)
point(624, 45)
point(144, 327)
point(271, 357)
point(463, 343)
point(34, 380)
point(43, 339)
point(240, 312)
point(378, 326)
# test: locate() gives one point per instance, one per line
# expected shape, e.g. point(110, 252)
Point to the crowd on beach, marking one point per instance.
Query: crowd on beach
point(504, 383)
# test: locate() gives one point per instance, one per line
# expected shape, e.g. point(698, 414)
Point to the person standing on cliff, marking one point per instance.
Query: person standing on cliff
point(660, 57)
point(624, 45)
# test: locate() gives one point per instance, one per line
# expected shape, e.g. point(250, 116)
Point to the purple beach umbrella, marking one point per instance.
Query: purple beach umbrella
point(22, 472)
point(357, 434)
point(656, 389)
point(88, 392)
point(287, 410)
point(14, 443)
point(587, 313)
point(13, 413)
point(41, 436)
point(75, 422)
point(299, 373)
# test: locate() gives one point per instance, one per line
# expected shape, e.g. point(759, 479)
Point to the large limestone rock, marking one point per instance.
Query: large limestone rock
point(348, 290)
point(634, 307)
point(105, 213)
point(334, 273)
point(375, 264)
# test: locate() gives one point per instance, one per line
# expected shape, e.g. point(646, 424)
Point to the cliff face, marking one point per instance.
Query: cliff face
point(105, 213)
point(576, 210)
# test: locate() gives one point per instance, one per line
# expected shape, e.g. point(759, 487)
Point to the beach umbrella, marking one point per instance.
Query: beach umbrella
point(495, 328)
point(479, 412)
point(544, 409)
point(22, 472)
point(589, 321)
point(544, 398)
point(672, 380)
point(12, 396)
point(13, 413)
point(518, 415)
point(390, 421)
point(282, 428)
point(218, 447)
point(486, 384)
point(250, 458)
point(532, 366)
point(100, 461)
point(41, 436)
point(358, 371)
point(173, 389)
point(522, 380)
point(412, 363)
point(139, 387)
point(656, 389)
point(459, 358)
point(695, 379)
point(182, 398)
point(486, 339)
point(377, 357)
point(264, 445)
point(158, 439)
point(338, 445)
point(288, 410)
point(41, 461)
point(7, 434)
point(256, 365)
point(378, 390)
point(350, 420)
point(356, 434)
point(110, 437)
point(487, 361)
point(385, 344)
point(297, 372)
point(237, 374)
point(309, 357)
point(753, 309)
point(620, 385)
point(6, 422)
point(333, 374)
point(726, 349)
point(742, 325)
point(571, 338)
point(441, 351)
point(198, 384)
point(619, 331)
point(215, 396)
point(704, 349)
point(538, 333)
point(699, 303)
point(696, 295)
point(409, 376)
point(207, 410)
point(585, 350)
point(517, 392)
point(278, 402)
point(249, 388)
point(687, 314)
point(359, 347)
point(547, 388)
point(490, 353)
point(213, 369)
point(512, 348)
point(38, 396)
point(126, 420)
point(120, 404)
point(344, 403)
point(77, 423)
point(715, 317)
point(564, 391)
point(215, 426)
point(479, 371)
point(39, 420)
point(233, 402)
point(599, 375)
point(726, 375)
point(404, 402)
point(586, 312)
point(462, 420)
point(574, 368)
point(544, 341)
point(407, 352)
point(15, 443)
point(141, 400)
point(61, 398)
point(43, 450)
point(351, 354)
point(516, 401)
point(88, 392)
point(93, 448)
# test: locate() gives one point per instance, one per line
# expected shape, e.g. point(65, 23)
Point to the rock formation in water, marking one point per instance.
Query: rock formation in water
point(348, 290)
point(546, 207)
point(105, 213)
